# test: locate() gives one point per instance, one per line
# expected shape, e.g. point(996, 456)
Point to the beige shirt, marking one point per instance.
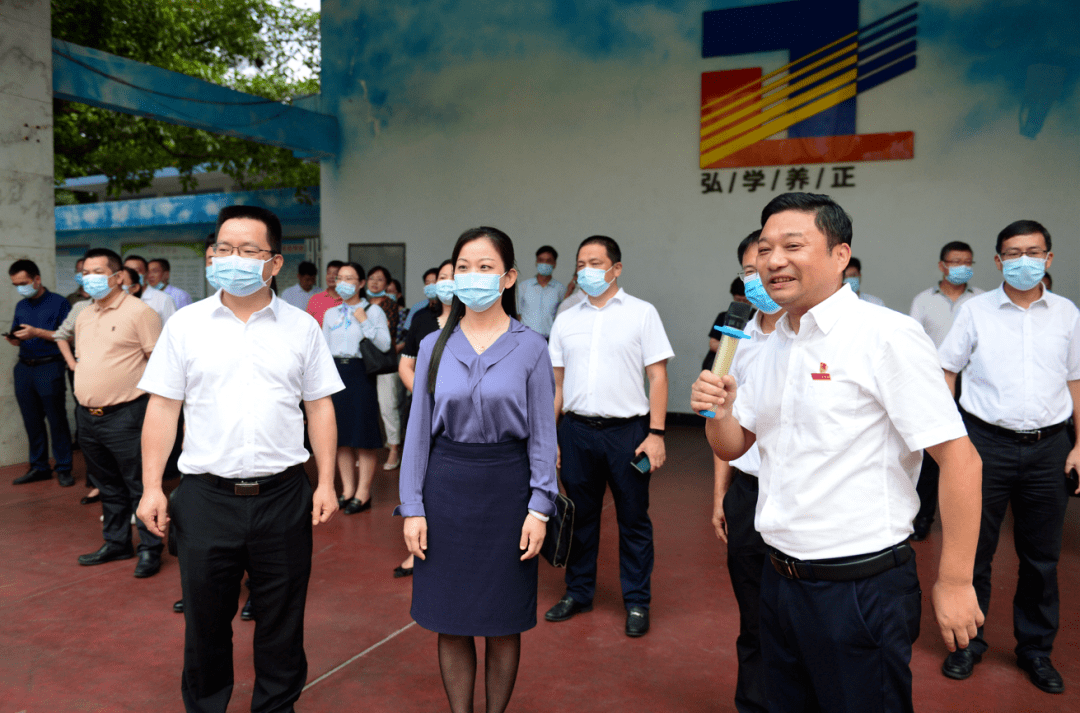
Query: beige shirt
point(112, 346)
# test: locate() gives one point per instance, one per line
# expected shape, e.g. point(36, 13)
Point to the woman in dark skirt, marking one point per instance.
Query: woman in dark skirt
point(357, 407)
point(478, 473)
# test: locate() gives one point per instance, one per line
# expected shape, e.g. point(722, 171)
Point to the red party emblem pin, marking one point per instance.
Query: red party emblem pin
point(823, 373)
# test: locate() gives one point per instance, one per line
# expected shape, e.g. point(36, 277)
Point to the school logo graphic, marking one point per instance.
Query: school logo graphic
point(832, 60)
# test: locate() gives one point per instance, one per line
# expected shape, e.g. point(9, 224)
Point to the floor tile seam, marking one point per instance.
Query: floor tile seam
point(363, 653)
point(50, 590)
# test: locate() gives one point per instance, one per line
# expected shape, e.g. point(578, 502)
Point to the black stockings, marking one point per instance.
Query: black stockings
point(457, 662)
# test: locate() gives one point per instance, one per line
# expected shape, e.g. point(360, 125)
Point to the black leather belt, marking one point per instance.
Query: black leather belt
point(115, 407)
point(346, 360)
point(601, 421)
point(841, 569)
point(42, 360)
point(1023, 437)
point(252, 486)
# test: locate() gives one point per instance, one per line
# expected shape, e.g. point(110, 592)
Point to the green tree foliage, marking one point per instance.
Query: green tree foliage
point(257, 46)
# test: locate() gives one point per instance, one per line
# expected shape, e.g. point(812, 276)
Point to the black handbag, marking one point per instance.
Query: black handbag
point(377, 361)
point(560, 530)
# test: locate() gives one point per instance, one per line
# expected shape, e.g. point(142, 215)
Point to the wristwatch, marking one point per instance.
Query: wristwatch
point(657, 432)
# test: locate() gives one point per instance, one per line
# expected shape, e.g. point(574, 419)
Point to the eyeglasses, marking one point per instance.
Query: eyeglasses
point(1033, 253)
point(250, 251)
point(745, 275)
point(958, 263)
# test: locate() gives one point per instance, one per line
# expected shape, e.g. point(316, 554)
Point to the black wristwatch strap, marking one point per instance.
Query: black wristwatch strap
point(656, 431)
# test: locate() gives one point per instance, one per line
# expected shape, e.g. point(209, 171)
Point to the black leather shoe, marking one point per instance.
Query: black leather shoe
point(248, 612)
point(107, 553)
point(341, 502)
point(354, 506)
point(90, 499)
point(149, 564)
point(32, 476)
point(178, 606)
point(1042, 673)
point(637, 621)
point(566, 608)
point(921, 526)
point(400, 572)
point(960, 664)
point(65, 478)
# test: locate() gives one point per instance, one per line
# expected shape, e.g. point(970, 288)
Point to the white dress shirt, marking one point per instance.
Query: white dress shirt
point(749, 462)
point(180, 297)
point(1015, 361)
point(604, 351)
point(935, 310)
point(344, 334)
point(871, 299)
point(576, 298)
point(842, 411)
point(160, 302)
point(537, 304)
point(241, 385)
point(297, 297)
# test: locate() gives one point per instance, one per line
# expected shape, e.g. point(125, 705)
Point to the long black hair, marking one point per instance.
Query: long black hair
point(505, 247)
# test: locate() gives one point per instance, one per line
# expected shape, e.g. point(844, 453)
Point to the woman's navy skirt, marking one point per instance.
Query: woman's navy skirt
point(473, 582)
point(357, 407)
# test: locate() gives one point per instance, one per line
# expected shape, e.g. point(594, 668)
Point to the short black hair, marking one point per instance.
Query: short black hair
point(114, 260)
point(829, 217)
point(431, 271)
point(133, 274)
point(737, 288)
point(28, 266)
point(334, 263)
point(384, 271)
point(1046, 276)
point(211, 240)
point(613, 252)
point(547, 249)
point(254, 212)
point(307, 268)
point(957, 246)
point(165, 266)
point(746, 243)
point(140, 258)
point(1022, 227)
point(855, 263)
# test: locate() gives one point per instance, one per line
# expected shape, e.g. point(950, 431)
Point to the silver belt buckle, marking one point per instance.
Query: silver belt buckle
point(245, 488)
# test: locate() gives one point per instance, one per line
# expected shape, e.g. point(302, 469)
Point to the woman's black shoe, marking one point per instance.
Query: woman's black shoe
point(400, 571)
point(354, 506)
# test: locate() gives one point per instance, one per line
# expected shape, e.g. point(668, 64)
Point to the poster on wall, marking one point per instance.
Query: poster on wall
point(803, 113)
point(187, 263)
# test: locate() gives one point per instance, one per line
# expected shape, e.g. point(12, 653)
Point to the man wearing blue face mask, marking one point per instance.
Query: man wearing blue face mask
point(935, 309)
point(611, 433)
point(39, 375)
point(853, 279)
point(538, 297)
point(1018, 348)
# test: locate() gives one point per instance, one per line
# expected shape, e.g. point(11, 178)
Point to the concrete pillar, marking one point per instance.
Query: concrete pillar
point(27, 228)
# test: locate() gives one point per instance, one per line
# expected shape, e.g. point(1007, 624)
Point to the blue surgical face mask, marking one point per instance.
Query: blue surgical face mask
point(97, 286)
point(78, 279)
point(444, 290)
point(240, 276)
point(959, 274)
point(158, 286)
point(381, 293)
point(345, 290)
point(1024, 272)
point(478, 291)
point(26, 290)
point(430, 291)
point(755, 292)
point(544, 269)
point(854, 282)
point(211, 277)
point(591, 281)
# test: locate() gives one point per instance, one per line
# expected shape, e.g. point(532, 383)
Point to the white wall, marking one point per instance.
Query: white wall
point(552, 144)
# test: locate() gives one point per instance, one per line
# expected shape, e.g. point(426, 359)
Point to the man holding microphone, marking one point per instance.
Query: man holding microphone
point(841, 400)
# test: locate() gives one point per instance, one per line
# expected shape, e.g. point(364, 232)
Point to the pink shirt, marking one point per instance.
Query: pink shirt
point(318, 304)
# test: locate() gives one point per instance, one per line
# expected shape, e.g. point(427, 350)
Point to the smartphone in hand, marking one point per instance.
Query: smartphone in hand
point(641, 463)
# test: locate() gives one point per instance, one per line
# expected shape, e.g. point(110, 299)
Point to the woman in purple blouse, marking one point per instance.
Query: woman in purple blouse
point(478, 473)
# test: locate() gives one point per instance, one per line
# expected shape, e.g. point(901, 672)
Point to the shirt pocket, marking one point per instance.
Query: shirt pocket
point(829, 411)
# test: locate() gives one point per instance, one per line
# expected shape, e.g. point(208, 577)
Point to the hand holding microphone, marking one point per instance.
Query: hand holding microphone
point(738, 314)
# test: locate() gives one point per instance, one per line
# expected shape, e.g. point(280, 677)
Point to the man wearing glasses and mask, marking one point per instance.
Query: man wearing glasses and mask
point(1018, 348)
point(240, 362)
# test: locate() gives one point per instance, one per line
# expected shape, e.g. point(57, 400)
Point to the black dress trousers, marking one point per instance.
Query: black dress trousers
point(746, 554)
point(219, 535)
point(1030, 478)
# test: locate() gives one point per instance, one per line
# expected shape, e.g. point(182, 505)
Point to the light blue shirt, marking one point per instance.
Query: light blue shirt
point(412, 310)
point(537, 305)
point(344, 334)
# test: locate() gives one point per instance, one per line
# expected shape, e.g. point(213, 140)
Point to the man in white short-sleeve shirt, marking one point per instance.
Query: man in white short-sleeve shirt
point(841, 400)
point(240, 362)
point(159, 301)
point(1019, 350)
point(600, 349)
